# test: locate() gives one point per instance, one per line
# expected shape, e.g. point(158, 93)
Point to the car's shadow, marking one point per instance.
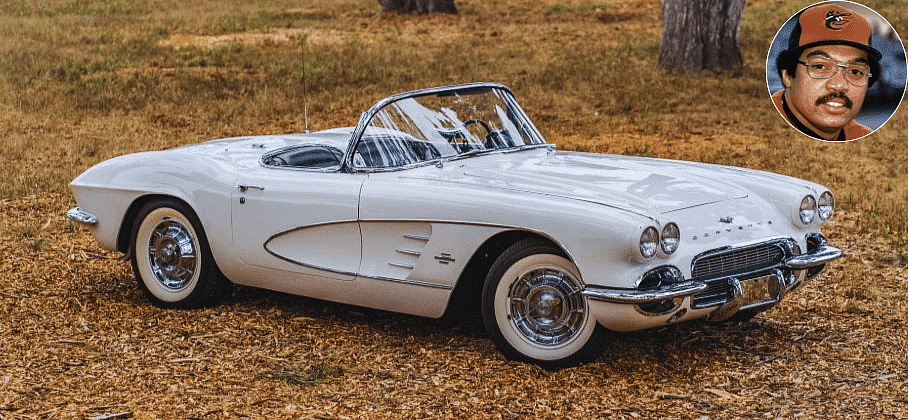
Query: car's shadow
point(675, 348)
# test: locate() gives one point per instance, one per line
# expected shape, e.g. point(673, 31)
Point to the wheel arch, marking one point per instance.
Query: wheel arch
point(124, 237)
point(466, 297)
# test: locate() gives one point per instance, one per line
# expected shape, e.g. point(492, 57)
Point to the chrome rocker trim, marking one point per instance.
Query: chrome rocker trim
point(77, 214)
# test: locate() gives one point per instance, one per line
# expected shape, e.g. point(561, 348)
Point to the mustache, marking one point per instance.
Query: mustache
point(835, 95)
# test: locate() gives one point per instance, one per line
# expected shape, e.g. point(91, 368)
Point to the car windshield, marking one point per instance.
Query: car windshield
point(444, 124)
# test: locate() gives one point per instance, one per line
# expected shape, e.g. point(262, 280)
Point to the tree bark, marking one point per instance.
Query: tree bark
point(420, 6)
point(700, 35)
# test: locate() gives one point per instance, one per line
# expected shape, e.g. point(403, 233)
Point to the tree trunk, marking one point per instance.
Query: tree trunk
point(700, 35)
point(420, 6)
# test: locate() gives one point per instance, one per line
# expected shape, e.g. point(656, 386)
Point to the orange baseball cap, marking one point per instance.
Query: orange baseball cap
point(831, 24)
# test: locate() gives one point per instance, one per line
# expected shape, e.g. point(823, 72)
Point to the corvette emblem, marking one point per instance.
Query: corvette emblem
point(444, 258)
point(728, 219)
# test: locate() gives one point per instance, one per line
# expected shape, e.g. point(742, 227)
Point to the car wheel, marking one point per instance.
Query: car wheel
point(533, 308)
point(171, 258)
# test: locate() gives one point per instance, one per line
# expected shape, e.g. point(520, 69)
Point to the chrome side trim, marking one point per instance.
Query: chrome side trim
point(629, 296)
point(409, 252)
point(78, 214)
point(408, 282)
point(362, 277)
point(401, 265)
point(314, 267)
point(822, 255)
point(300, 263)
point(410, 236)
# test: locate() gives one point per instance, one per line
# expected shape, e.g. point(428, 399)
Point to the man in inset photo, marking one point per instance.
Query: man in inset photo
point(826, 71)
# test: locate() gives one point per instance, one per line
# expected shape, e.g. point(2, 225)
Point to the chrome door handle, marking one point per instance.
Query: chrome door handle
point(244, 188)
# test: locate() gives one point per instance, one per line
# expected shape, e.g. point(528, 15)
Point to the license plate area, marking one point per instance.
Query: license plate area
point(760, 291)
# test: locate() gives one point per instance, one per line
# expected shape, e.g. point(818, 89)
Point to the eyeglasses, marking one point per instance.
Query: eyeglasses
point(824, 68)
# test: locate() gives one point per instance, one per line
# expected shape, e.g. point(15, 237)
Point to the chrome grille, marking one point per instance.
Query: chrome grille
point(738, 261)
point(714, 268)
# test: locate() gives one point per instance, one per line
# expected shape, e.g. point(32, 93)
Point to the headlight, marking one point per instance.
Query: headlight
point(808, 209)
point(825, 205)
point(649, 242)
point(671, 237)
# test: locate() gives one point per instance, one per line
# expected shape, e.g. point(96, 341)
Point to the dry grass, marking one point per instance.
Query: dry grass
point(82, 81)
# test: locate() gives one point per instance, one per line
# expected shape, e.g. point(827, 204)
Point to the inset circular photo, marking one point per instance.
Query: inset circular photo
point(836, 71)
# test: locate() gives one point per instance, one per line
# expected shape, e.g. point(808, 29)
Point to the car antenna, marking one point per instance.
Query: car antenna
point(305, 88)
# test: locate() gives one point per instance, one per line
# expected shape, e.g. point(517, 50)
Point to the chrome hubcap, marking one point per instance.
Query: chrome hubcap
point(546, 306)
point(172, 254)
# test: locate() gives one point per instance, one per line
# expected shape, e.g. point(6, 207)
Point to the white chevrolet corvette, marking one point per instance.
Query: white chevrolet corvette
point(451, 195)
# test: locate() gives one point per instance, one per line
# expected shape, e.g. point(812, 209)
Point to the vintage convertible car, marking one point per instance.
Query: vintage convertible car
point(449, 199)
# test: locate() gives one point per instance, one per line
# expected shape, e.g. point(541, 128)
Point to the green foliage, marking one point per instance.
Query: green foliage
point(29, 236)
point(556, 9)
point(894, 259)
point(639, 151)
point(71, 8)
point(260, 20)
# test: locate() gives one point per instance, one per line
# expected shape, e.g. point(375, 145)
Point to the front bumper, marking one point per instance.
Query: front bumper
point(820, 256)
point(638, 297)
point(756, 290)
point(78, 214)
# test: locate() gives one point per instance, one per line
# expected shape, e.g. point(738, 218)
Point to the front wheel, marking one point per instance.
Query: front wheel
point(534, 310)
point(171, 258)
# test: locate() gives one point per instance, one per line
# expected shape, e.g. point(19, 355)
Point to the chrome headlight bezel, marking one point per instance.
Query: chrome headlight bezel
point(825, 206)
point(649, 242)
point(807, 211)
point(670, 238)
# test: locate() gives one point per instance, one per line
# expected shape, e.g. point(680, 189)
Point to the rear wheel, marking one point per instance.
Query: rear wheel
point(534, 310)
point(171, 258)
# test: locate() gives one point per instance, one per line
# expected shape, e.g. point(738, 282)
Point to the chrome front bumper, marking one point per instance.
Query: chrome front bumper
point(77, 214)
point(637, 297)
point(822, 255)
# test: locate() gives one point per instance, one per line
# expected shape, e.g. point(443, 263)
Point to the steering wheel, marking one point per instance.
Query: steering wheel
point(484, 124)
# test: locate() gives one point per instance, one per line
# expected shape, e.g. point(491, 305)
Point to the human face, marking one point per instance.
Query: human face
point(825, 105)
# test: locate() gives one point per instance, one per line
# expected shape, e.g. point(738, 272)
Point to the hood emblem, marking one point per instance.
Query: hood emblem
point(728, 219)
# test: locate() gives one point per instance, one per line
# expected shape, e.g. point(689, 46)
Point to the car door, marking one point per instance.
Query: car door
point(418, 230)
point(298, 221)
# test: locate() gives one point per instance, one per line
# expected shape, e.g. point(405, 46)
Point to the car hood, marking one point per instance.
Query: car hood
point(642, 185)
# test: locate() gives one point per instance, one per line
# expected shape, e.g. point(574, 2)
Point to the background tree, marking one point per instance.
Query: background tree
point(700, 35)
point(421, 6)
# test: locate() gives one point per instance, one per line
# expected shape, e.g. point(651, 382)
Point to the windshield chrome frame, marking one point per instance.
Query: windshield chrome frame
point(366, 117)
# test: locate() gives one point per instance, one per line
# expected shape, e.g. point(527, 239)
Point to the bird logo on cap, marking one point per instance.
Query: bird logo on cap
point(836, 21)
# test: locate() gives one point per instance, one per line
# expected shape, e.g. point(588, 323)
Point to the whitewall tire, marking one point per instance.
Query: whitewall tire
point(533, 308)
point(171, 258)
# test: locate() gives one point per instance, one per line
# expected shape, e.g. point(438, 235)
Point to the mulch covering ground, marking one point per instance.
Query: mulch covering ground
point(79, 341)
